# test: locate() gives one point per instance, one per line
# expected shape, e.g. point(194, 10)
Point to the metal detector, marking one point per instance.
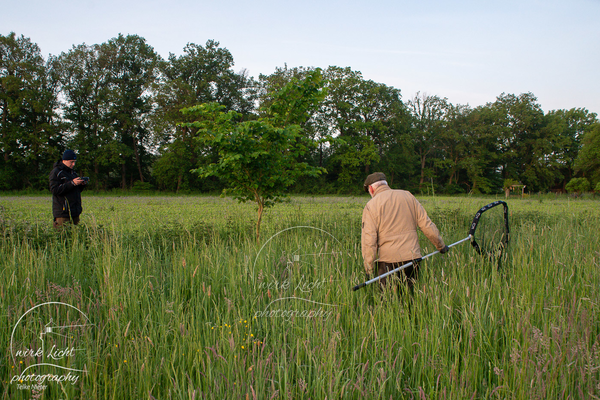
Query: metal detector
point(490, 241)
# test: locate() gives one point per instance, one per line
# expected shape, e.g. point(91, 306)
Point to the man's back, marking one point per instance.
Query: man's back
point(390, 221)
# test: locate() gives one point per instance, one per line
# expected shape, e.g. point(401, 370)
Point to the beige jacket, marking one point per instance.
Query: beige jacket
point(389, 226)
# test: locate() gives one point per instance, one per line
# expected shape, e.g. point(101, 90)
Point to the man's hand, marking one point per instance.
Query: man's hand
point(78, 181)
point(445, 250)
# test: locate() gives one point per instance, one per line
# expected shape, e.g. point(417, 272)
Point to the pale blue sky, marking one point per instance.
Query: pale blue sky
point(468, 51)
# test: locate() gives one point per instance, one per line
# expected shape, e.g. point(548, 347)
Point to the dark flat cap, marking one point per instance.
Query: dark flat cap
point(371, 179)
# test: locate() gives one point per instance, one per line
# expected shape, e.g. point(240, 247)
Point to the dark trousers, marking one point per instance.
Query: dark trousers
point(407, 276)
point(59, 222)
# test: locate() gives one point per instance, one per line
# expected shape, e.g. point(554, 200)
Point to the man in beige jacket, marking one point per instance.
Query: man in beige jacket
point(389, 229)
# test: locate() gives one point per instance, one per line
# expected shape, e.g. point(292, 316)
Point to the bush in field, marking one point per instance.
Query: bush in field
point(141, 187)
point(454, 189)
point(578, 185)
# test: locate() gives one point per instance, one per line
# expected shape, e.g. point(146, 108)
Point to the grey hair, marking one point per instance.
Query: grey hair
point(375, 185)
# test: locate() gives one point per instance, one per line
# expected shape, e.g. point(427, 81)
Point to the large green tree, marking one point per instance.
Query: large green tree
point(455, 140)
point(199, 75)
point(588, 160)
point(260, 159)
point(133, 67)
point(428, 124)
point(483, 162)
point(29, 138)
point(366, 118)
point(269, 91)
point(523, 145)
point(257, 160)
point(86, 84)
point(566, 129)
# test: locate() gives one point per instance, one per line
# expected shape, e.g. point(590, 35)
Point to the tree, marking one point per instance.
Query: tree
point(398, 158)
point(269, 88)
point(482, 159)
point(29, 138)
point(454, 145)
point(86, 85)
point(366, 118)
point(297, 101)
point(588, 159)
point(260, 159)
point(132, 67)
point(257, 160)
point(200, 75)
point(428, 114)
point(269, 92)
point(525, 146)
point(565, 130)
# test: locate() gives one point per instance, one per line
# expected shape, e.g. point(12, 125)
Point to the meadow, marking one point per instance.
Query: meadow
point(172, 297)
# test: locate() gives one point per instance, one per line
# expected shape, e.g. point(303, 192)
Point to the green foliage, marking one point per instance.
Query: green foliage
point(200, 75)
point(353, 157)
point(578, 185)
point(588, 159)
point(141, 187)
point(428, 125)
point(120, 108)
point(296, 101)
point(7, 174)
point(30, 135)
point(564, 131)
point(508, 183)
point(258, 160)
point(370, 125)
point(454, 189)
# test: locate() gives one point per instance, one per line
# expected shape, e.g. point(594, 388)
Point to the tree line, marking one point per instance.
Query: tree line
point(119, 106)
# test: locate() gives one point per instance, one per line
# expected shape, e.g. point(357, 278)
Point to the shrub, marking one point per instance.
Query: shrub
point(578, 185)
point(140, 186)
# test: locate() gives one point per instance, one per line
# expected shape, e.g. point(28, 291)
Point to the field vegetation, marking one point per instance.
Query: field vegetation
point(183, 303)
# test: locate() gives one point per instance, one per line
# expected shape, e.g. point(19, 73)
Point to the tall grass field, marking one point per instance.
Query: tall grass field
point(174, 298)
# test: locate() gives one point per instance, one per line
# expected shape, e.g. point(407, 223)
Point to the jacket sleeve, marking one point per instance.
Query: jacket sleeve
point(428, 227)
point(56, 187)
point(368, 240)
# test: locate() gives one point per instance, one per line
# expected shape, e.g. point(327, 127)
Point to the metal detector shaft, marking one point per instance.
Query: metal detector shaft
point(400, 268)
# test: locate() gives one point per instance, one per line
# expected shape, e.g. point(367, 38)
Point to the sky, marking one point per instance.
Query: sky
point(469, 52)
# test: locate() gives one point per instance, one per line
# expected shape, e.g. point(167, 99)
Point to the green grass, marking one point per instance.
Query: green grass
point(186, 304)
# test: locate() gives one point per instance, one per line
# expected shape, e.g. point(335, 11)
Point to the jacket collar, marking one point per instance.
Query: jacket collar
point(61, 166)
point(380, 189)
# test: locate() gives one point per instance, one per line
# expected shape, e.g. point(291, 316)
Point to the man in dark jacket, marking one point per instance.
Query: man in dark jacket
point(66, 187)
